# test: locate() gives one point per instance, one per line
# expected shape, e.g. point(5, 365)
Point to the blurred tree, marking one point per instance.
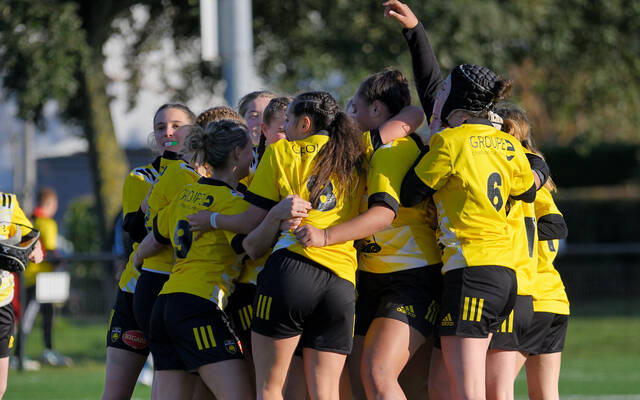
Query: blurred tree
point(576, 63)
point(52, 50)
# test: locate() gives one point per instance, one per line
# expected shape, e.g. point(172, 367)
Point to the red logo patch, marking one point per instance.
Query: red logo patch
point(134, 339)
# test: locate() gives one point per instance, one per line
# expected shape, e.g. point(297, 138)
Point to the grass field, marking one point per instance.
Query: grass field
point(601, 361)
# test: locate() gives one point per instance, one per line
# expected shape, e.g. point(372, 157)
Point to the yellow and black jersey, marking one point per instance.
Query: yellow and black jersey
point(285, 169)
point(208, 266)
point(49, 237)
point(171, 181)
point(549, 294)
point(408, 242)
point(14, 226)
point(472, 170)
point(135, 189)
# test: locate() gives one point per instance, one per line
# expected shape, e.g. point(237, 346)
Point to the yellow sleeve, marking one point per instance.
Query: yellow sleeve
point(134, 190)
point(522, 180)
point(162, 224)
point(436, 166)
point(544, 204)
point(264, 191)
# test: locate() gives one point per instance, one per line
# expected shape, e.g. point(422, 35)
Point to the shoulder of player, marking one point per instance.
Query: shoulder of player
point(8, 200)
point(143, 173)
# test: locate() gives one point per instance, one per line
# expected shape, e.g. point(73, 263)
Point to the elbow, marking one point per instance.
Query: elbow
point(529, 196)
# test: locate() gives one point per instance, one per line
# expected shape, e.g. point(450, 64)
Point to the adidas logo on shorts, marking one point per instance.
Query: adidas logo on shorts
point(447, 321)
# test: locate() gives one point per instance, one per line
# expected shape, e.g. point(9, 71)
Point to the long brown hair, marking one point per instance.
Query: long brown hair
point(342, 156)
point(516, 123)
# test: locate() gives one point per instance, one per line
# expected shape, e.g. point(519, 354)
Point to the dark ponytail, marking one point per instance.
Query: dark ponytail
point(342, 156)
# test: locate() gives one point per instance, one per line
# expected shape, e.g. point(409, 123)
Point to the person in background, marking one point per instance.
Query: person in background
point(43, 221)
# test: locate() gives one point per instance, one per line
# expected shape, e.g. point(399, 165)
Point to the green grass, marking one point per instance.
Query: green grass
point(84, 342)
point(601, 358)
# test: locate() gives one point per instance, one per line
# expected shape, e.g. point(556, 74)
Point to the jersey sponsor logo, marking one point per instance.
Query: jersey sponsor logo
point(115, 334)
point(231, 346)
point(507, 324)
point(327, 199)
point(472, 310)
point(491, 143)
point(447, 320)
point(407, 310)
point(134, 339)
point(204, 337)
point(432, 312)
point(263, 310)
point(306, 149)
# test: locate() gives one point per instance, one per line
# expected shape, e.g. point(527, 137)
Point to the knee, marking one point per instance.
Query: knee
point(377, 378)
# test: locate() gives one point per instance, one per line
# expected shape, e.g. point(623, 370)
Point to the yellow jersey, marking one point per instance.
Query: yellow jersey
point(285, 169)
point(172, 179)
point(13, 222)
point(49, 237)
point(135, 189)
point(208, 266)
point(549, 294)
point(473, 170)
point(408, 242)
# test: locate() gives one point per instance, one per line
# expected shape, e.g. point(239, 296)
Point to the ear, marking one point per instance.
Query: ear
point(307, 124)
point(236, 153)
point(375, 108)
point(263, 127)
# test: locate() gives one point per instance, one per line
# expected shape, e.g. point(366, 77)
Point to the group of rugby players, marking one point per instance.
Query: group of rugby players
point(279, 243)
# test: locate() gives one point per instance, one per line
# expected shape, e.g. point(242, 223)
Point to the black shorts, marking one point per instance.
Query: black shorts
point(546, 334)
point(509, 334)
point(147, 289)
point(297, 296)
point(240, 309)
point(124, 332)
point(411, 296)
point(7, 320)
point(475, 300)
point(188, 332)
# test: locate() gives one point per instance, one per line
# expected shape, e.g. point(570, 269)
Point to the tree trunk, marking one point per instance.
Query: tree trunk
point(109, 165)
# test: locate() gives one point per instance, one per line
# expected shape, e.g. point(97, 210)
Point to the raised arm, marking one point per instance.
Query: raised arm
point(426, 71)
point(406, 121)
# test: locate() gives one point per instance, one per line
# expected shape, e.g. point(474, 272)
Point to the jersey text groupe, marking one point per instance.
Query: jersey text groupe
point(208, 266)
point(549, 294)
point(13, 222)
point(408, 242)
point(173, 178)
point(285, 169)
point(474, 169)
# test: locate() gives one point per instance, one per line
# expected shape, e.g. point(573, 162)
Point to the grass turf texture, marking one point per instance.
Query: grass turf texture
point(601, 359)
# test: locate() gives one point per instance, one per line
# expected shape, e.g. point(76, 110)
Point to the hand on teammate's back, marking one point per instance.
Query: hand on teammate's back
point(292, 206)
point(401, 13)
point(200, 222)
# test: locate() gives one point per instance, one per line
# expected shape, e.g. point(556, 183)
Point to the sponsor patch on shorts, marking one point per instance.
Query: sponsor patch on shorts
point(134, 339)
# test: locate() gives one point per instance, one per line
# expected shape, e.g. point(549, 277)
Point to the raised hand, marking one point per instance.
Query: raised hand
point(401, 13)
